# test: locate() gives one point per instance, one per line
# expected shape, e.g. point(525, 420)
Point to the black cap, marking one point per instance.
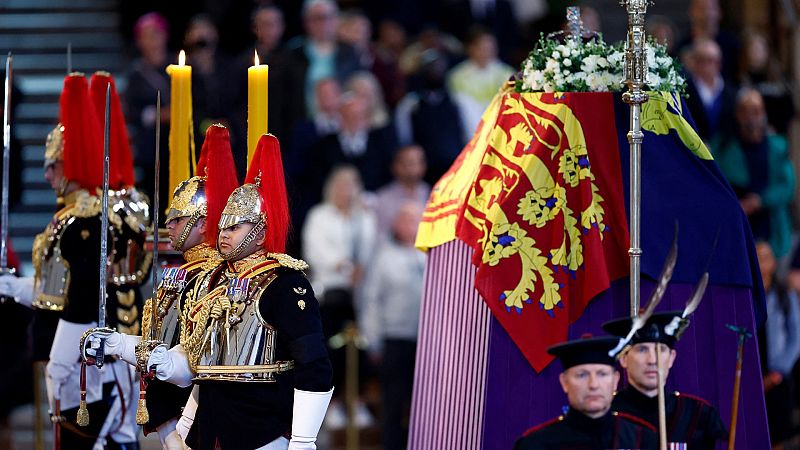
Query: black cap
point(585, 351)
point(663, 327)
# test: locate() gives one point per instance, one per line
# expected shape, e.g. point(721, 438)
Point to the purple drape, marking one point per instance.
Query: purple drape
point(455, 389)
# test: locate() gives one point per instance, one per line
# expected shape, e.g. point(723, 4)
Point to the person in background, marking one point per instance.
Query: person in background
point(318, 54)
point(779, 343)
point(759, 69)
point(147, 77)
point(418, 114)
point(474, 82)
point(756, 163)
point(338, 240)
point(710, 97)
point(389, 318)
point(408, 169)
point(365, 85)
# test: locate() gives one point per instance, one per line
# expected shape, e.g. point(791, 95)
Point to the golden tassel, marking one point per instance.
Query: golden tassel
point(83, 413)
point(142, 416)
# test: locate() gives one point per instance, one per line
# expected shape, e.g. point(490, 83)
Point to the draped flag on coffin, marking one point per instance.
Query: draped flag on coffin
point(538, 193)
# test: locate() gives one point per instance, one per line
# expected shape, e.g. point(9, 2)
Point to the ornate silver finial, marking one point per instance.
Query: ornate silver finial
point(574, 22)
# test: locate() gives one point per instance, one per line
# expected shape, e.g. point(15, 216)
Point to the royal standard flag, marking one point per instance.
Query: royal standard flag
point(539, 194)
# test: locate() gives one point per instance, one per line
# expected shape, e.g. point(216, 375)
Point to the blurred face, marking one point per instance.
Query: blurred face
point(483, 50)
point(640, 364)
point(406, 223)
point(751, 117)
point(707, 62)
point(230, 238)
point(409, 164)
point(201, 36)
point(152, 39)
point(54, 174)
point(268, 27)
point(766, 262)
point(590, 388)
point(344, 190)
point(355, 114)
point(176, 226)
point(705, 14)
point(392, 36)
point(356, 31)
point(757, 54)
point(328, 94)
point(321, 22)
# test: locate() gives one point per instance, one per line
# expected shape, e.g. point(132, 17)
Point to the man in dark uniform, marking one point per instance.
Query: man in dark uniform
point(64, 290)
point(251, 337)
point(589, 379)
point(690, 420)
point(191, 222)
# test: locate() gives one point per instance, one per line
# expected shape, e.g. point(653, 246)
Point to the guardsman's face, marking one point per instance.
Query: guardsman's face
point(54, 174)
point(175, 228)
point(590, 388)
point(231, 237)
point(640, 364)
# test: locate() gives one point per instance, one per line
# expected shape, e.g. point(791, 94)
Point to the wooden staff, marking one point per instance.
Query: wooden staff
point(742, 334)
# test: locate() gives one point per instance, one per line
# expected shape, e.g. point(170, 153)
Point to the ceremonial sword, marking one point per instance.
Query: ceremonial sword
point(156, 192)
point(101, 313)
point(4, 269)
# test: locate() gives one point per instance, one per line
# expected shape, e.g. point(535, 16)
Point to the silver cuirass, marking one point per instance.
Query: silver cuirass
point(240, 345)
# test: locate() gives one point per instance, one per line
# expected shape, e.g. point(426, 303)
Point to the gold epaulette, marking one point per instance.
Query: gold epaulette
point(87, 205)
point(287, 261)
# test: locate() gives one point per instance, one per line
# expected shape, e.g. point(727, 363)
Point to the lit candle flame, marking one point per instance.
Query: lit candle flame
point(182, 58)
point(255, 59)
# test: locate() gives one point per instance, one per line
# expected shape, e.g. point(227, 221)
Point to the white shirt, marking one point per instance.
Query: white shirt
point(333, 243)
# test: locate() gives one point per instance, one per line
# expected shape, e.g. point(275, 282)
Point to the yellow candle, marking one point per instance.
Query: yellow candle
point(181, 142)
point(257, 83)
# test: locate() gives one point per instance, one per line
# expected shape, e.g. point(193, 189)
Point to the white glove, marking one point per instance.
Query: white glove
point(307, 415)
point(20, 288)
point(116, 344)
point(170, 439)
point(171, 365)
point(187, 415)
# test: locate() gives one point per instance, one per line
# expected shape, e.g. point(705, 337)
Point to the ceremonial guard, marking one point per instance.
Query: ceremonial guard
point(64, 290)
point(252, 337)
point(191, 221)
point(589, 379)
point(690, 420)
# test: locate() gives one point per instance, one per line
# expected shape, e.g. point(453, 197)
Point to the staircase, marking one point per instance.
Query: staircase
point(38, 32)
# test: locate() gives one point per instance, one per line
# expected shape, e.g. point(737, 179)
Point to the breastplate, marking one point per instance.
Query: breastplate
point(240, 344)
point(132, 267)
point(52, 271)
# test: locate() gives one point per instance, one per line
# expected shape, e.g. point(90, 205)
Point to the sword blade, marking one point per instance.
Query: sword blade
point(156, 193)
point(101, 319)
point(6, 157)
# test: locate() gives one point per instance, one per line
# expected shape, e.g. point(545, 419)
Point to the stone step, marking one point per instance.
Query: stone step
point(49, 63)
point(36, 112)
point(57, 42)
point(44, 198)
point(41, 22)
point(50, 5)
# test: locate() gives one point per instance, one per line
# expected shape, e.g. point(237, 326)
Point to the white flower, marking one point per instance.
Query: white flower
point(602, 62)
point(651, 56)
point(555, 55)
point(549, 87)
point(589, 63)
point(567, 62)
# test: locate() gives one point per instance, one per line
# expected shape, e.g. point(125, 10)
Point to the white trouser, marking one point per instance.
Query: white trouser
point(169, 437)
point(122, 430)
point(278, 444)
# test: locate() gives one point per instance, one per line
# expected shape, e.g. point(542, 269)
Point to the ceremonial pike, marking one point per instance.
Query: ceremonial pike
point(4, 269)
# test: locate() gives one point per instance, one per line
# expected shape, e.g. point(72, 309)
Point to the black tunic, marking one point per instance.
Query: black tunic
point(690, 419)
point(247, 415)
point(576, 431)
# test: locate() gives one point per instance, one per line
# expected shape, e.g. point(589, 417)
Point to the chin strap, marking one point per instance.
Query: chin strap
point(251, 236)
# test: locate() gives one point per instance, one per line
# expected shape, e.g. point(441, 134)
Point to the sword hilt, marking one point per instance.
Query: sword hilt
point(100, 354)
